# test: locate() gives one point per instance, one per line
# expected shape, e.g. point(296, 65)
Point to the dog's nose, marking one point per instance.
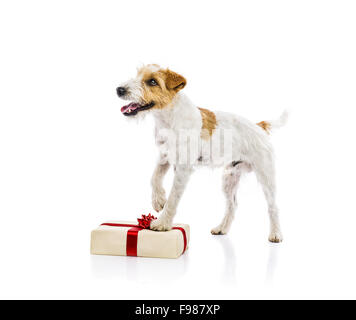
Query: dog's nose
point(121, 91)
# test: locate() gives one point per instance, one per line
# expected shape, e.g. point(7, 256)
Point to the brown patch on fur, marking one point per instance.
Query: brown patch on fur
point(209, 123)
point(265, 126)
point(169, 83)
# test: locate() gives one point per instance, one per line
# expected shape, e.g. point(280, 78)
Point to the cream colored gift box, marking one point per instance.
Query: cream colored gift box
point(112, 240)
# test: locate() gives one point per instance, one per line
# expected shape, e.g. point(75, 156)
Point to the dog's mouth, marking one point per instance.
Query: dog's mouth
point(133, 108)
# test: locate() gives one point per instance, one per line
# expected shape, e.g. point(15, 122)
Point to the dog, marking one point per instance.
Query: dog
point(158, 91)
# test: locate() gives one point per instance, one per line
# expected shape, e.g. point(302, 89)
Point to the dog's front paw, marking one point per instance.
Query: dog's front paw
point(158, 199)
point(161, 224)
point(219, 230)
point(275, 237)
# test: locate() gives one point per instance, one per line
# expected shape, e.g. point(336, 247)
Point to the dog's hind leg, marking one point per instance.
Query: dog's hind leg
point(231, 179)
point(265, 174)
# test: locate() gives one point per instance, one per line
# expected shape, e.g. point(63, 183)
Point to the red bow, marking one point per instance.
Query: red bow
point(145, 221)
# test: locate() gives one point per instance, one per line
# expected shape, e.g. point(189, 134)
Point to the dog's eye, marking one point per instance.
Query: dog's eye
point(152, 82)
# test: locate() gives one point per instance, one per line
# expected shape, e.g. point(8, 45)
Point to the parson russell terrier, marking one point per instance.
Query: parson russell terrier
point(188, 137)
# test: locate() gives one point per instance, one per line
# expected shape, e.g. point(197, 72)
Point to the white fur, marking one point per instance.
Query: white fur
point(250, 146)
point(281, 121)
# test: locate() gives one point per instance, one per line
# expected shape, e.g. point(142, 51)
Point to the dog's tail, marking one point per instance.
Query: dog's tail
point(270, 125)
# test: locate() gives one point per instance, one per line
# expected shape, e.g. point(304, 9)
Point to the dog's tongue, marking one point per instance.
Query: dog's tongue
point(130, 107)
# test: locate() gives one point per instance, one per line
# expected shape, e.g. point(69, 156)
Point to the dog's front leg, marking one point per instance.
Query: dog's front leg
point(181, 177)
point(158, 193)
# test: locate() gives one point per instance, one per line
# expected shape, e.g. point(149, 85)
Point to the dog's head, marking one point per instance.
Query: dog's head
point(153, 88)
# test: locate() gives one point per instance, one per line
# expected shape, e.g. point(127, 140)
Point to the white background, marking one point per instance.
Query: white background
point(70, 161)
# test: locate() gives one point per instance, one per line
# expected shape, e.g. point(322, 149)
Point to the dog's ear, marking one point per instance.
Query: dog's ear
point(175, 81)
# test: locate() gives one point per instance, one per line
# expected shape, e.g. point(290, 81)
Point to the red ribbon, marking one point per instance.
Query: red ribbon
point(132, 234)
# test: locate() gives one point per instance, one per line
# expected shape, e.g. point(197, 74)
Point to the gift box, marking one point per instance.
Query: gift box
point(120, 238)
